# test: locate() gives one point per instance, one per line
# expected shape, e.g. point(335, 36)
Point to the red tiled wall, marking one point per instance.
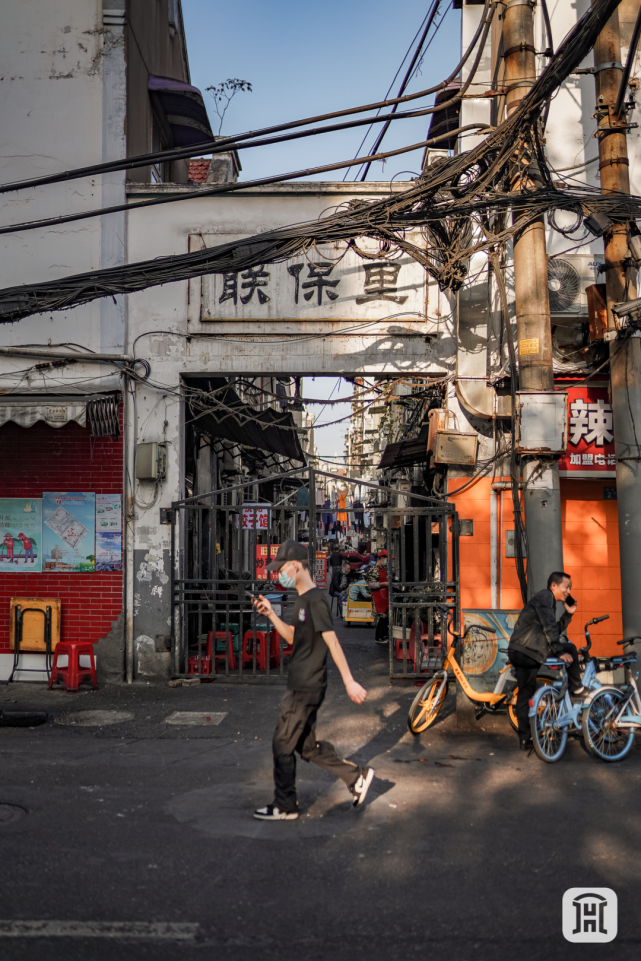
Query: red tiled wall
point(43, 458)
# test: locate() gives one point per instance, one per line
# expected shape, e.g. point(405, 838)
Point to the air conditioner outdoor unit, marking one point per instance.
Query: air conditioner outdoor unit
point(568, 277)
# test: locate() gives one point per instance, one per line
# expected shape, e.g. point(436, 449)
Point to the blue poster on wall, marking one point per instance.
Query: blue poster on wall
point(20, 534)
point(482, 654)
point(69, 532)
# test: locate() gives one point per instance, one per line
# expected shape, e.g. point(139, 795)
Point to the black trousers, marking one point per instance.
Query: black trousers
point(296, 732)
point(526, 670)
point(382, 627)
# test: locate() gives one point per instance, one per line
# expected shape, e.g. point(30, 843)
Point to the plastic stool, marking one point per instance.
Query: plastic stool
point(201, 663)
point(274, 648)
point(259, 640)
point(72, 674)
point(229, 654)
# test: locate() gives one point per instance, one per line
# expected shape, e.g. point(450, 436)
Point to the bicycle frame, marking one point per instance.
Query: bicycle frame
point(491, 698)
point(632, 700)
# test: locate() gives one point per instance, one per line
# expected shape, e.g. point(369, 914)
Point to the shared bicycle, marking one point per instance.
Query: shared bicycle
point(431, 697)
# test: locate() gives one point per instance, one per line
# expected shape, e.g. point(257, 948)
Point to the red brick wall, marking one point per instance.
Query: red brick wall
point(43, 458)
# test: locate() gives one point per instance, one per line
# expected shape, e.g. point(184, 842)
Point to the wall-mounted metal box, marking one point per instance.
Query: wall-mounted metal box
point(151, 461)
point(455, 447)
point(542, 422)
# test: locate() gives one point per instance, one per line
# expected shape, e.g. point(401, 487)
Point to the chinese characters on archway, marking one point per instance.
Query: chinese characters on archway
point(311, 281)
point(590, 432)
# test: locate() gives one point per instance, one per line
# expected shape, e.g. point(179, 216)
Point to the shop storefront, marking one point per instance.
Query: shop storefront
point(61, 482)
point(589, 523)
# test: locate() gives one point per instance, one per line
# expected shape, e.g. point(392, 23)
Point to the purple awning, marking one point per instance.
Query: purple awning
point(181, 112)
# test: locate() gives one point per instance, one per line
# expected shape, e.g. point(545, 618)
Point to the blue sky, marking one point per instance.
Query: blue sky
point(307, 59)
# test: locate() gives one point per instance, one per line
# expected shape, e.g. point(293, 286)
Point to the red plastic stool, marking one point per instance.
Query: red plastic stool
point(274, 648)
point(201, 664)
point(72, 674)
point(259, 640)
point(222, 657)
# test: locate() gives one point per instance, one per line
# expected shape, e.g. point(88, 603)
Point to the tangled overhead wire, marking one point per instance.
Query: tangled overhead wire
point(461, 205)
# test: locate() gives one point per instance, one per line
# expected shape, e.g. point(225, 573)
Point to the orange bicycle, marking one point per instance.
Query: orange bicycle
point(431, 697)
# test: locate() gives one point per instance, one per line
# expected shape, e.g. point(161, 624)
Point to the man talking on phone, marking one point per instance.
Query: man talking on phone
point(313, 636)
point(537, 636)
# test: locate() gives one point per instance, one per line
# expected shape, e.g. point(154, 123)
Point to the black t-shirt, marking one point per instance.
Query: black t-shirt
point(308, 663)
point(335, 559)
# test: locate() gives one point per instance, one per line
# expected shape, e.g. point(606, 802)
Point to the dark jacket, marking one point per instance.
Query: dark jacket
point(537, 632)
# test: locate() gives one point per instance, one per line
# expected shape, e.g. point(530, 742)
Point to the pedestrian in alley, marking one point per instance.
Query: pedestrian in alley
point(377, 582)
point(312, 634)
point(537, 635)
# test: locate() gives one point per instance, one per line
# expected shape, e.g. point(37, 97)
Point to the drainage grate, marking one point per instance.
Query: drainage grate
point(196, 718)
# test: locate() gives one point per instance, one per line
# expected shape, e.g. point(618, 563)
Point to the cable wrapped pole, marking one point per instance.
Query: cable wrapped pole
point(542, 495)
point(625, 356)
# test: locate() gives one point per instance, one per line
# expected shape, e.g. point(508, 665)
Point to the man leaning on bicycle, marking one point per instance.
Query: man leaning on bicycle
point(537, 635)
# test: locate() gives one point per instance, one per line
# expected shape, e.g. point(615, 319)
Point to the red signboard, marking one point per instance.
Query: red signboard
point(590, 433)
point(261, 561)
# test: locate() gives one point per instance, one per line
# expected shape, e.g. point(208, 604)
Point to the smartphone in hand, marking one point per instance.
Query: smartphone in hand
point(570, 601)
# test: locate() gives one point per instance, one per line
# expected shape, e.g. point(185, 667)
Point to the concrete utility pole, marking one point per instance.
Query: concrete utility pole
point(542, 498)
point(625, 356)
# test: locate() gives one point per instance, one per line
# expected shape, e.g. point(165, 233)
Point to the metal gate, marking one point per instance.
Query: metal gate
point(222, 541)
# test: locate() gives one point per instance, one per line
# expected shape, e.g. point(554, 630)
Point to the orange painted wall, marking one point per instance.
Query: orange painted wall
point(590, 552)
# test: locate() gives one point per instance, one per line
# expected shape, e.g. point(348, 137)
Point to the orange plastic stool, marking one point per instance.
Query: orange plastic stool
point(259, 640)
point(72, 674)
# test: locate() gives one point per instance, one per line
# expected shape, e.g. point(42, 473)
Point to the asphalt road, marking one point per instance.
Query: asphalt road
point(135, 840)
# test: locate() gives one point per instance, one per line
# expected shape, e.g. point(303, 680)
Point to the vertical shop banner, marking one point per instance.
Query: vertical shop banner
point(321, 569)
point(69, 532)
point(590, 450)
point(20, 534)
point(108, 532)
point(262, 561)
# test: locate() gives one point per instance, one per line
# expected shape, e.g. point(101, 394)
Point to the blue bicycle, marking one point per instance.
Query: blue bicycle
point(553, 713)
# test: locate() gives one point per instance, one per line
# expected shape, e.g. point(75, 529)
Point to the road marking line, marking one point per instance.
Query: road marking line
point(196, 718)
point(157, 930)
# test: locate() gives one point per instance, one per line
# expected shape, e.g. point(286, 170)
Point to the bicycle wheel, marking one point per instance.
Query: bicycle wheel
point(426, 705)
point(549, 743)
point(511, 708)
point(601, 735)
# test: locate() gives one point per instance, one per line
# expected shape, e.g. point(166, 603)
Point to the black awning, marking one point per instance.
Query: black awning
point(181, 112)
point(448, 119)
point(404, 453)
point(233, 420)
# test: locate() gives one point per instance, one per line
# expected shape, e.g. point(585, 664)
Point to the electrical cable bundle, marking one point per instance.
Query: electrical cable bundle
point(446, 203)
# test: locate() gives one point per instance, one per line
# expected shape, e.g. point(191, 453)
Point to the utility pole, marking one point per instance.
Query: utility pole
point(542, 496)
point(625, 356)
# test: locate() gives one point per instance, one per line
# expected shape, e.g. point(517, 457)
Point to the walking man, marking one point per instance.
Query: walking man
point(536, 636)
point(313, 636)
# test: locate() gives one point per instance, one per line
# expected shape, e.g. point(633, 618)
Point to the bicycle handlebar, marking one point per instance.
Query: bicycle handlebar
point(629, 640)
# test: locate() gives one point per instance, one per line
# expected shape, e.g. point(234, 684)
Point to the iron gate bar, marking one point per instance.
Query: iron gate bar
point(208, 588)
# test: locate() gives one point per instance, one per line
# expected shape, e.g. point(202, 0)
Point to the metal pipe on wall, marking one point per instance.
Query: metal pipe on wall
point(625, 356)
point(542, 496)
point(129, 524)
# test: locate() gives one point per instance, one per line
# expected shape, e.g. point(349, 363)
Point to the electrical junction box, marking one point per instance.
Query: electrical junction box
point(541, 422)
point(151, 461)
point(455, 447)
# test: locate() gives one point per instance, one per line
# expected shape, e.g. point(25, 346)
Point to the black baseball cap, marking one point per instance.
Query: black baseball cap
point(288, 551)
